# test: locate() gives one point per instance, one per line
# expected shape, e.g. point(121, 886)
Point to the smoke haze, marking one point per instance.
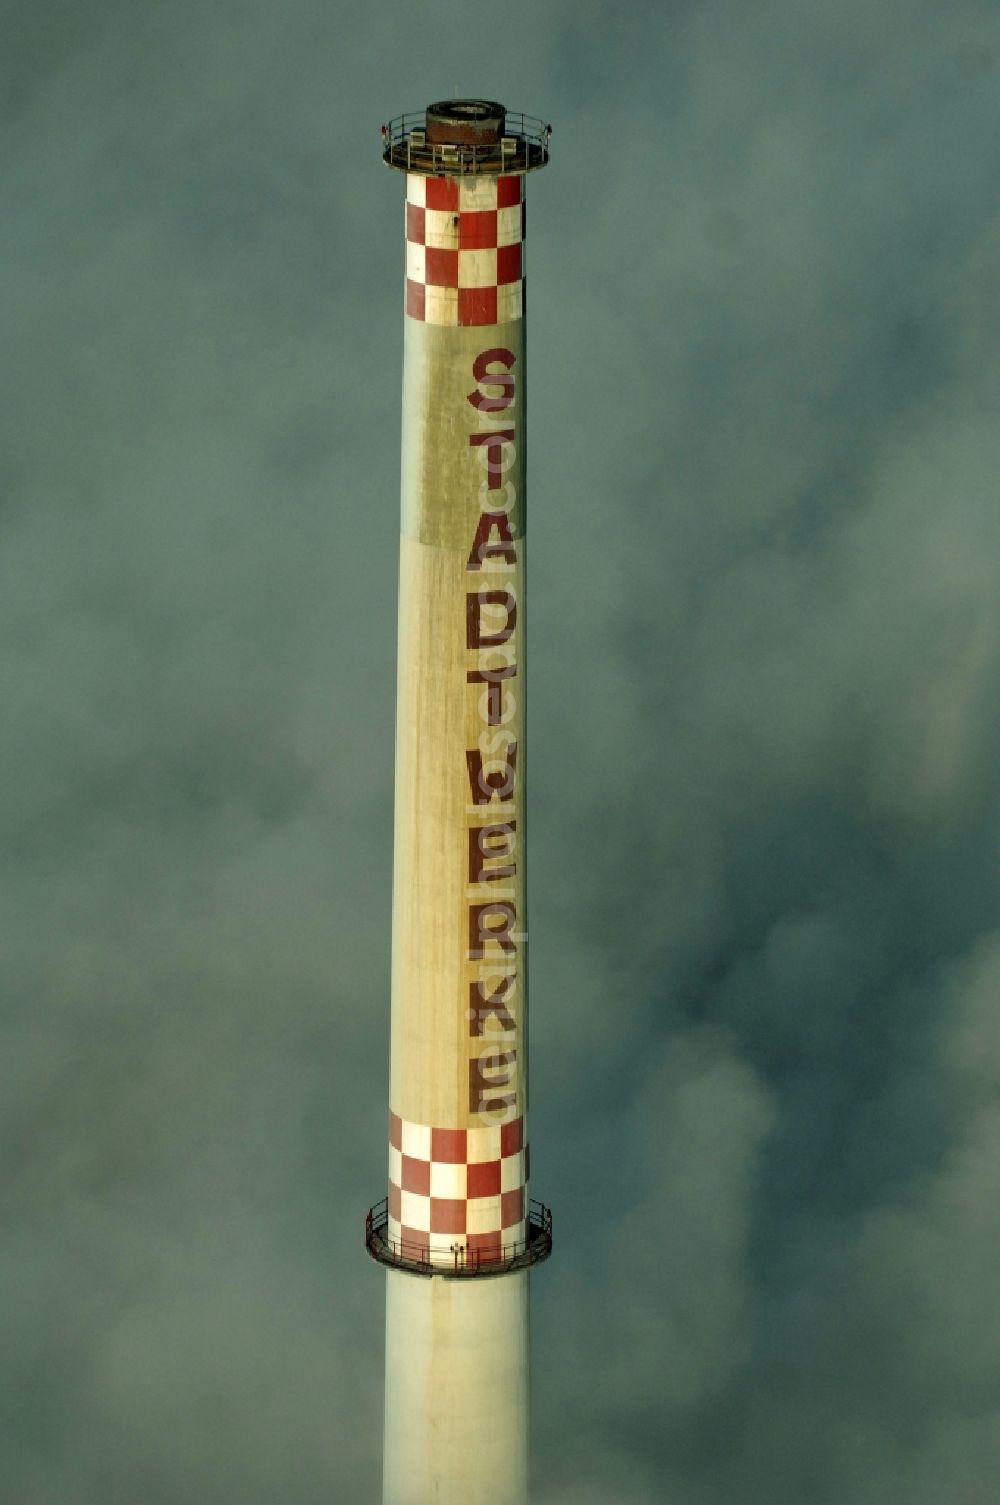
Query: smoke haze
point(764, 791)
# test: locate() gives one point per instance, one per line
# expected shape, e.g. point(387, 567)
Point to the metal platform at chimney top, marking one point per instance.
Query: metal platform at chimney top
point(522, 146)
point(416, 1258)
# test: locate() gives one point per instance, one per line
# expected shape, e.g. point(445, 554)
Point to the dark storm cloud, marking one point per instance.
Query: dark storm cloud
point(765, 700)
point(804, 583)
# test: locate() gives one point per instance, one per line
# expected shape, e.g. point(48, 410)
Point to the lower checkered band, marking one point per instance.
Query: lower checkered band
point(457, 1193)
point(465, 249)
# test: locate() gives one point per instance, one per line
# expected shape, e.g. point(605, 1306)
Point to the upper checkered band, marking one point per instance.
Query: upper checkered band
point(464, 249)
point(457, 1191)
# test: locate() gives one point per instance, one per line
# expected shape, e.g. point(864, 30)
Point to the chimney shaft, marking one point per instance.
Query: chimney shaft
point(457, 1230)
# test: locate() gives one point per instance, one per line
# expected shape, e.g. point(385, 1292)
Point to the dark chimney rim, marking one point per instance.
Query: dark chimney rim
point(465, 122)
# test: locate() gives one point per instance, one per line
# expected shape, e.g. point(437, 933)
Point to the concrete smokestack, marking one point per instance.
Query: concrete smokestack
point(457, 1230)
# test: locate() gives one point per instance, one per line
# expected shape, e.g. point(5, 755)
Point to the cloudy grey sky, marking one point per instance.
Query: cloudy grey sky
point(765, 708)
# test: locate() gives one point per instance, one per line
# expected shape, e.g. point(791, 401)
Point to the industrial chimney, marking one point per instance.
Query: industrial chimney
point(457, 1232)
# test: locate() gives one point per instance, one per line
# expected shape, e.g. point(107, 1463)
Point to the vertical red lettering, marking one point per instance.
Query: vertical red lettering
point(484, 1005)
point(499, 781)
point(487, 1074)
point(483, 546)
point(482, 931)
point(491, 843)
point(474, 602)
point(497, 464)
point(485, 377)
point(494, 695)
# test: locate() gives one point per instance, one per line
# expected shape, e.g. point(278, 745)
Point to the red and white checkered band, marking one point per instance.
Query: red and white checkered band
point(457, 1192)
point(464, 249)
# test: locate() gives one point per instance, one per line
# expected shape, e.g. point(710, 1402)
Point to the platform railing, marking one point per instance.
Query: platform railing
point(523, 147)
point(418, 1259)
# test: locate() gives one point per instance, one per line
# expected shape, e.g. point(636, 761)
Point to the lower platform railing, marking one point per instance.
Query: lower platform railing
point(420, 1259)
